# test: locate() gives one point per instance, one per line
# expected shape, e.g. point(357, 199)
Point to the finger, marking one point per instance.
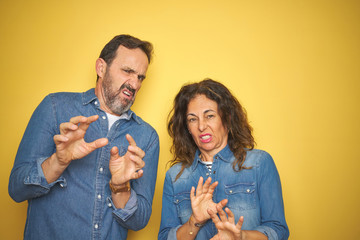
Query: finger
point(137, 174)
point(114, 153)
point(67, 126)
point(240, 223)
point(212, 187)
point(206, 185)
point(231, 217)
point(130, 140)
point(78, 119)
point(101, 142)
point(84, 122)
point(199, 186)
point(216, 237)
point(92, 118)
point(222, 214)
point(213, 216)
point(81, 119)
point(136, 150)
point(60, 139)
point(222, 203)
point(192, 194)
point(138, 161)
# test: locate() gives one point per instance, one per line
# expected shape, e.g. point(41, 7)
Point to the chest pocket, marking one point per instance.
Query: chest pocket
point(241, 196)
point(183, 206)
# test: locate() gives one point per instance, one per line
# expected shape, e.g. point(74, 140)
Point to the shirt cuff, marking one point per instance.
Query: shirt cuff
point(172, 233)
point(267, 231)
point(129, 209)
point(36, 177)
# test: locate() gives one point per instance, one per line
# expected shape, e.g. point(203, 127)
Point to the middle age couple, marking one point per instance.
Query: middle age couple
point(94, 177)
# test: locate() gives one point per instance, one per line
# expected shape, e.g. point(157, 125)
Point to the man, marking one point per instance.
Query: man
point(87, 164)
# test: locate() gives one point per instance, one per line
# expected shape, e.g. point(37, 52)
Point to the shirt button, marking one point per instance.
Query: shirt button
point(248, 190)
point(109, 205)
point(61, 185)
point(103, 117)
point(96, 226)
point(230, 191)
point(207, 174)
point(96, 102)
point(99, 196)
point(101, 169)
point(177, 201)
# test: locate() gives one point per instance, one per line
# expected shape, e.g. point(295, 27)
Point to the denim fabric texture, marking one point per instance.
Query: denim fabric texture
point(253, 193)
point(78, 205)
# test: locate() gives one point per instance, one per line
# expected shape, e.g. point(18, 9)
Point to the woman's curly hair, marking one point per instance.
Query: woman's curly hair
point(232, 114)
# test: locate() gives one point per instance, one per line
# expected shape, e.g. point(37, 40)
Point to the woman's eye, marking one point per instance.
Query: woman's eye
point(191, 119)
point(210, 116)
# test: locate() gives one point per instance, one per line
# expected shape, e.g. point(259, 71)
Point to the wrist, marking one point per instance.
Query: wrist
point(59, 163)
point(117, 188)
point(195, 223)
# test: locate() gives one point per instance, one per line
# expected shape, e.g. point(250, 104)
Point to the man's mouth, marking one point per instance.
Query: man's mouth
point(127, 90)
point(127, 93)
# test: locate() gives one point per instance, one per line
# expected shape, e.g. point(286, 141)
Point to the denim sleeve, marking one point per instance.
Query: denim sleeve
point(136, 213)
point(273, 223)
point(170, 221)
point(27, 180)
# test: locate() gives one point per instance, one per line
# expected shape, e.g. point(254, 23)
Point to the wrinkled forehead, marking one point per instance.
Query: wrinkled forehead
point(135, 59)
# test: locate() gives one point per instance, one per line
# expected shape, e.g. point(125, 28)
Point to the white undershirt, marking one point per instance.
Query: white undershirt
point(114, 118)
point(208, 165)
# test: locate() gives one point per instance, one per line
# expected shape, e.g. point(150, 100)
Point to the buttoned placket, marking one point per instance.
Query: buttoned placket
point(100, 176)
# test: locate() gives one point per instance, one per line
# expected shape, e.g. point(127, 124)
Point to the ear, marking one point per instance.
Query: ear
point(100, 67)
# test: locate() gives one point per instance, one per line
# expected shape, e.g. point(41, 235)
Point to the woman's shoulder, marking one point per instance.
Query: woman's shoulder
point(174, 171)
point(256, 157)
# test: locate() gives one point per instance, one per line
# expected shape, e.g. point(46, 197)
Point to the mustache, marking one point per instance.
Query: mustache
point(128, 87)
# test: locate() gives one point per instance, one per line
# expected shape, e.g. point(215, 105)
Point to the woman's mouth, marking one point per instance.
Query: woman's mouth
point(205, 138)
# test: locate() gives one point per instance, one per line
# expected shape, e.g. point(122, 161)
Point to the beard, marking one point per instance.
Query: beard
point(112, 100)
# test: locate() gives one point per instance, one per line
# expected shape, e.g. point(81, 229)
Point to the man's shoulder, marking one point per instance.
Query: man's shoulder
point(64, 95)
point(72, 97)
point(142, 122)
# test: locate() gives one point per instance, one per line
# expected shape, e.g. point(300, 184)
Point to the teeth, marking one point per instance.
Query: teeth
point(205, 137)
point(127, 93)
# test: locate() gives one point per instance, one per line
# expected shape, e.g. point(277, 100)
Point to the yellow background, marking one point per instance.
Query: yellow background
point(294, 65)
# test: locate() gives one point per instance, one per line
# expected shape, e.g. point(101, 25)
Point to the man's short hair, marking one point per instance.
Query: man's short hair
point(109, 51)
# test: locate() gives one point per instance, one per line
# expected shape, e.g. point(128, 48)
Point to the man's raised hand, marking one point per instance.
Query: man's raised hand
point(129, 166)
point(70, 143)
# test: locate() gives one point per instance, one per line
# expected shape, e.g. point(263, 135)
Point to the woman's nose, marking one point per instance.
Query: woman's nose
point(202, 124)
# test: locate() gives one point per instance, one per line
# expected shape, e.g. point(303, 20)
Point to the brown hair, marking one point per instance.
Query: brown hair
point(233, 116)
point(108, 53)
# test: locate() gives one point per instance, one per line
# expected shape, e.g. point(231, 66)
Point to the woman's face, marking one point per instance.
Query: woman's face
point(205, 126)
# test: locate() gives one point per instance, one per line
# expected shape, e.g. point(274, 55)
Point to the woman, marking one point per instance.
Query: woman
point(213, 149)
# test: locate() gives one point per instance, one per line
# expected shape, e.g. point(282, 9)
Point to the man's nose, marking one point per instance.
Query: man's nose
point(134, 81)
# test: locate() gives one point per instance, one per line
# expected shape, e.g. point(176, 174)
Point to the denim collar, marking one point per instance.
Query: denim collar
point(89, 97)
point(225, 155)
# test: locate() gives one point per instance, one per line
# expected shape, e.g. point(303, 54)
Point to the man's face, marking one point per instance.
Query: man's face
point(123, 78)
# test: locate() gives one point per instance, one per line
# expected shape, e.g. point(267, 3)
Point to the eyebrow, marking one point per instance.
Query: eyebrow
point(206, 111)
point(139, 76)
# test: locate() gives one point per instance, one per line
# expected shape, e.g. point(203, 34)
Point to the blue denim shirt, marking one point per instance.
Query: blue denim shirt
point(78, 205)
point(253, 193)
